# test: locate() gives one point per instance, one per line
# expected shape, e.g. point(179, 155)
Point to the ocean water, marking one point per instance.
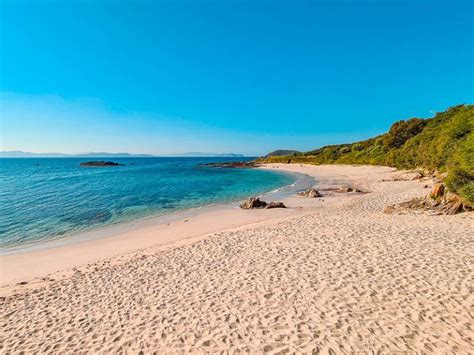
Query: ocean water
point(43, 199)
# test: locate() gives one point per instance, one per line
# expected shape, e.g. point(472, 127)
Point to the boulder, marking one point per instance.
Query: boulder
point(275, 205)
point(451, 197)
point(437, 191)
point(345, 189)
point(440, 175)
point(438, 202)
point(417, 176)
point(454, 208)
point(311, 193)
point(410, 175)
point(253, 202)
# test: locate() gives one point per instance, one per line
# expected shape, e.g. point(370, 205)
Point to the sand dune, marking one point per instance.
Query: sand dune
point(339, 276)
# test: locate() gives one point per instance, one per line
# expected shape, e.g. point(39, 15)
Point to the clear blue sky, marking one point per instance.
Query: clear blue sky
point(225, 76)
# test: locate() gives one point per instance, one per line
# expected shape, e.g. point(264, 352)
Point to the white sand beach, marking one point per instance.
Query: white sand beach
point(326, 275)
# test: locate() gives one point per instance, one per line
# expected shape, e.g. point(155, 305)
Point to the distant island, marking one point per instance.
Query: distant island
point(101, 163)
point(21, 154)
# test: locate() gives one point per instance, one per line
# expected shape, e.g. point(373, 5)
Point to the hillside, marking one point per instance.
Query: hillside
point(282, 152)
point(444, 142)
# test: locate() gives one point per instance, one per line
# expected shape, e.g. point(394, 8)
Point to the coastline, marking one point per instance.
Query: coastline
point(33, 260)
point(32, 263)
point(301, 183)
point(331, 274)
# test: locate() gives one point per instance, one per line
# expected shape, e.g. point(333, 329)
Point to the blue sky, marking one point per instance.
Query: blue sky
point(165, 77)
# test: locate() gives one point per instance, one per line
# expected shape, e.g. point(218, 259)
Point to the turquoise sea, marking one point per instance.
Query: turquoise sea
point(48, 198)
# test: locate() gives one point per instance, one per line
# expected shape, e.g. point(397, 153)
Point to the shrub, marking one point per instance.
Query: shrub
point(444, 142)
point(402, 131)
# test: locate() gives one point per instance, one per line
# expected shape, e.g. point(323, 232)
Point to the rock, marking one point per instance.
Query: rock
point(88, 217)
point(467, 208)
point(345, 189)
point(409, 175)
point(232, 164)
point(451, 198)
point(101, 163)
point(438, 202)
point(275, 205)
point(455, 208)
point(310, 193)
point(437, 191)
point(440, 175)
point(253, 202)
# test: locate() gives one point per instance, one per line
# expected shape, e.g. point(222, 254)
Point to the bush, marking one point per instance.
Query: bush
point(402, 131)
point(461, 168)
point(357, 147)
point(444, 142)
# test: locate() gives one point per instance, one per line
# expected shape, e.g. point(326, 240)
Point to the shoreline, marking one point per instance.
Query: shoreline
point(302, 182)
point(32, 261)
point(331, 274)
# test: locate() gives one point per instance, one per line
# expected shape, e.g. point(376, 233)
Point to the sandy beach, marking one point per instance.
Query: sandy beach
point(326, 275)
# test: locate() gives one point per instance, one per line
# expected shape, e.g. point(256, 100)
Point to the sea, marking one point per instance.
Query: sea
point(43, 199)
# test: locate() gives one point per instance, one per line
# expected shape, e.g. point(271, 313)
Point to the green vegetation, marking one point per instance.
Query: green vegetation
point(444, 142)
point(282, 152)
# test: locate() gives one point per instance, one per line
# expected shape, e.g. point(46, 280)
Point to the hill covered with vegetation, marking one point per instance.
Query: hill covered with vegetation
point(281, 152)
point(444, 142)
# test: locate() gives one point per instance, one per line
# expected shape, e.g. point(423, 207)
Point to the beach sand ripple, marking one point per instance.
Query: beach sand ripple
point(340, 279)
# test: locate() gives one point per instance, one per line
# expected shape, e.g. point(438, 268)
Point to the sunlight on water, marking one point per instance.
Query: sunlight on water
point(51, 198)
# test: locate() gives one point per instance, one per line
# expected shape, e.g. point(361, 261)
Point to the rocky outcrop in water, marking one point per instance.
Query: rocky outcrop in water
point(101, 163)
point(232, 164)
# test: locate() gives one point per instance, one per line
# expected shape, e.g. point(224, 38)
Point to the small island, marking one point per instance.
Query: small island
point(101, 163)
point(232, 164)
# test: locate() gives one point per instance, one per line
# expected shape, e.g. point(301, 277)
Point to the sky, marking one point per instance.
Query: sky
point(164, 77)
